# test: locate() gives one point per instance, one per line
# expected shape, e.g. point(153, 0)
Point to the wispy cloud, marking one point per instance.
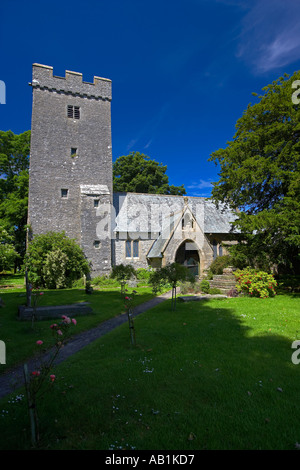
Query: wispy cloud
point(269, 37)
point(200, 185)
point(147, 133)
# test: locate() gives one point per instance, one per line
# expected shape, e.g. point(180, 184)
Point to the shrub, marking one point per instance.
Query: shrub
point(219, 263)
point(255, 283)
point(143, 274)
point(54, 260)
point(204, 286)
point(214, 290)
point(233, 292)
point(104, 281)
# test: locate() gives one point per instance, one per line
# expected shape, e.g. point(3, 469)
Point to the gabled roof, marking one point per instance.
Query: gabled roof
point(134, 212)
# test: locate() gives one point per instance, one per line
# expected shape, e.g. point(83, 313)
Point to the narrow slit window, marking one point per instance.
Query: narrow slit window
point(96, 202)
point(73, 152)
point(128, 248)
point(64, 193)
point(135, 248)
point(97, 244)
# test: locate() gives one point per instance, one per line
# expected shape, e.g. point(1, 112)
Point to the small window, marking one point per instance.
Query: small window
point(73, 112)
point(128, 248)
point(73, 152)
point(220, 250)
point(96, 202)
point(64, 193)
point(135, 246)
point(97, 244)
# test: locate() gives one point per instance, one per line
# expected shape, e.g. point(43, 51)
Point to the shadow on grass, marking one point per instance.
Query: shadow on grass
point(221, 369)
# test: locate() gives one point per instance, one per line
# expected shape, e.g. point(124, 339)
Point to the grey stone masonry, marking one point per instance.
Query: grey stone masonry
point(70, 149)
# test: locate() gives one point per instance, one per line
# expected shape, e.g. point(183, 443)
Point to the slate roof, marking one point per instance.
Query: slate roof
point(135, 213)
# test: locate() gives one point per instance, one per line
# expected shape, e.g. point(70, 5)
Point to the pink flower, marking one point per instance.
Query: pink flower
point(74, 321)
point(39, 342)
point(52, 378)
point(66, 319)
point(59, 332)
point(36, 373)
point(126, 298)
point(53, 326)
point(41, 293)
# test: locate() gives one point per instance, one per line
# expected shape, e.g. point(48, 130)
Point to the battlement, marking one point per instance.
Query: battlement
point(72, 83)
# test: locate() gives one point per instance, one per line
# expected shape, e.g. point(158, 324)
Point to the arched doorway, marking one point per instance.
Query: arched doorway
point(188, 255)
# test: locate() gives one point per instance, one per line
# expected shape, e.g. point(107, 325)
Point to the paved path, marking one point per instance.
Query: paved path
point(13, 378)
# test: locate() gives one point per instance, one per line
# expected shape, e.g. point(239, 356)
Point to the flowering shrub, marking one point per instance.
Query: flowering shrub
point(255, 283)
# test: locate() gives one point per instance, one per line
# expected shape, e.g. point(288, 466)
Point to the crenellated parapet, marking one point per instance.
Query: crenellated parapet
point(71, 84)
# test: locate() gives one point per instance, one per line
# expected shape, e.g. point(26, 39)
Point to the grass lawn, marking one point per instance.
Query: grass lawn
point(213, 375)
point(20, 337)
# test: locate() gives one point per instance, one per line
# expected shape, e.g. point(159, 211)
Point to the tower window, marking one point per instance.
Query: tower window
point(73, 112)
point(64, 193)
point(73, 152)
point(96, 244)
point(96, 202)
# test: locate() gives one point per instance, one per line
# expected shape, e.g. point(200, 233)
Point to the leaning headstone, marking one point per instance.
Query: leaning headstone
point(132, 282)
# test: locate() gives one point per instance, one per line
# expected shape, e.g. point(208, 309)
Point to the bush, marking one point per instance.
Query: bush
point(214, 291)
point(204, 286)
point(54, 261)
point(143, 274)
point(255, 283)
point(104, 281)
point(219, 263)
point(233, 292)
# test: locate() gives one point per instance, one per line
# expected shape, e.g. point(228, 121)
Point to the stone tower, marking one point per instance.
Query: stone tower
point(70, 176)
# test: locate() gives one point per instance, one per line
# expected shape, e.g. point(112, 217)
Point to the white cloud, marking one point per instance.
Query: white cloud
point(200, 185)
point(269, 37)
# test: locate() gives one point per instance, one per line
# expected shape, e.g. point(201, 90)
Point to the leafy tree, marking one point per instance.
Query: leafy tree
point(137, 173)
point(14, 179)
point(8, 254)
point(260, 177)
point(171, 274)
point(54, 260)
point(122, 273)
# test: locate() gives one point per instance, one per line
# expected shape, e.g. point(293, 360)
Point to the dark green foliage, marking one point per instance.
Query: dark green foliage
point(14, 177)
point(204, 286)
point(122, 273)
point(219, 263)
point(53, 245)
point(137, 173)
point(260, 176)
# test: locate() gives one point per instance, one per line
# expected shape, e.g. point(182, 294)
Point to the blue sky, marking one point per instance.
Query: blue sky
point(182, 71)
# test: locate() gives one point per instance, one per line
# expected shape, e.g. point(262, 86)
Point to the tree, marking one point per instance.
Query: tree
point(137, 173)
point(260, 177)
point(171, 274)
point(14, 179)
point(54, 261)
point(122, 273)
point(8, 253)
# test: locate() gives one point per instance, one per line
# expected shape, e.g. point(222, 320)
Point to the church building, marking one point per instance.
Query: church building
point(71, 187)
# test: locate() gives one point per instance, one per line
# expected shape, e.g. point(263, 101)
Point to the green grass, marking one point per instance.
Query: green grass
point(20, 337)
point(207, 376)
